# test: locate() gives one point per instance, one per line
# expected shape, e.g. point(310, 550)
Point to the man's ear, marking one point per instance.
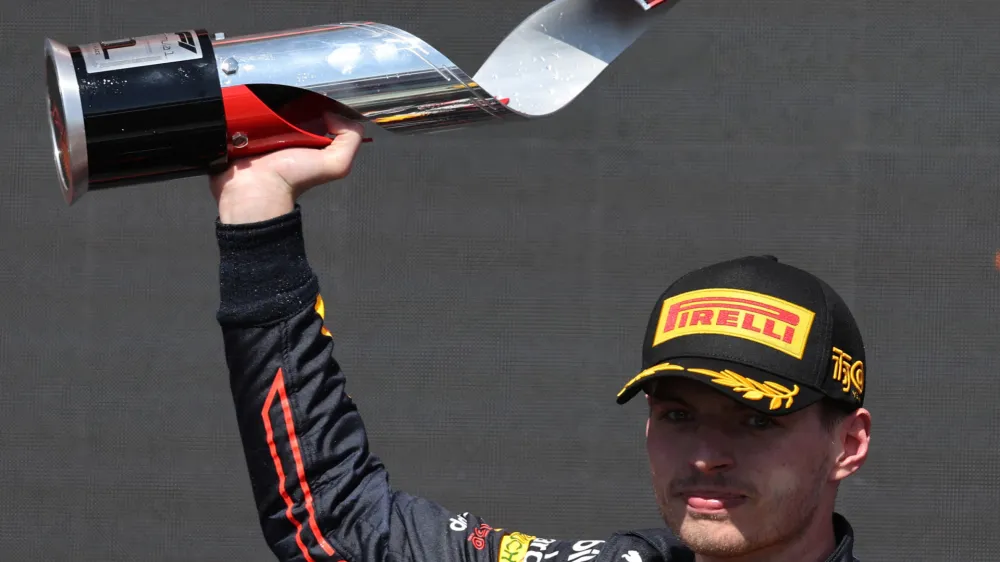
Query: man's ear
point(851, 438)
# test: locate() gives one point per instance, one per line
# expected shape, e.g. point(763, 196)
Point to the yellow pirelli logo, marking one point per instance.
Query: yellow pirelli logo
point(736, 313)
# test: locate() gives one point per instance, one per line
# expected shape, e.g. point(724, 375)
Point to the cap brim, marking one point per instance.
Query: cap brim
point(763, 391)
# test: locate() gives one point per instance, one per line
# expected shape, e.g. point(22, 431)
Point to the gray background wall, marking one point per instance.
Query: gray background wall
point(508, 272)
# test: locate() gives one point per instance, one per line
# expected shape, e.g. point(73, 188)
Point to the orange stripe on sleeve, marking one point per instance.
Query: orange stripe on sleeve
point(278, 390)
point(300, 468)
point(279, 383)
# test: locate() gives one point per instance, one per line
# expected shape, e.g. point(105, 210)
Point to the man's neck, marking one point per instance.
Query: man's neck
point(815, 544)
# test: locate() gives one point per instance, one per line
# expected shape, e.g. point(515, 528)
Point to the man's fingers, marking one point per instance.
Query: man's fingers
point(338, 124)
point(339, 156)
point(301, 169)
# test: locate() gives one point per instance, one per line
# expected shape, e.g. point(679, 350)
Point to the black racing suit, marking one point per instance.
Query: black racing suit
point(321, 494)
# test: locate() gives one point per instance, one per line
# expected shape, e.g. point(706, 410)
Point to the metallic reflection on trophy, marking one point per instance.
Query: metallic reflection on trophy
point(158, 107)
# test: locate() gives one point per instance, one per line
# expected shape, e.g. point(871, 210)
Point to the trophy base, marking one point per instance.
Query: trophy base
point(133, 111)
point(66, 123)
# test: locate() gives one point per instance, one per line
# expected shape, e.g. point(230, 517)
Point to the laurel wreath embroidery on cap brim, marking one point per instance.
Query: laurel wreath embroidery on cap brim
point(751, 389)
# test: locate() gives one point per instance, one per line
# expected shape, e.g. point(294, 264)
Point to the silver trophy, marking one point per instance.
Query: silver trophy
point(156, 107)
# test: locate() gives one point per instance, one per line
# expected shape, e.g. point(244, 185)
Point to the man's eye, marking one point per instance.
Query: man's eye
point(760, 421)
point(675, 415)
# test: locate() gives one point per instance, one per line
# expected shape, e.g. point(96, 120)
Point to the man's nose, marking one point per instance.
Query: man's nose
point(712, 465)
point(712, 453)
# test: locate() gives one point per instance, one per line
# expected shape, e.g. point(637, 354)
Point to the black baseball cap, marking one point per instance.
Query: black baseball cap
point(769, 335)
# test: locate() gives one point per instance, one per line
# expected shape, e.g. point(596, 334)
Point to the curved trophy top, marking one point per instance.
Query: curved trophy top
point(553, 55)
point(403, 84)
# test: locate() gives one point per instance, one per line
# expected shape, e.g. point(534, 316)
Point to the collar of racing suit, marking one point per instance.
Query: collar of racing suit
point(672, 551)
point(845, 540)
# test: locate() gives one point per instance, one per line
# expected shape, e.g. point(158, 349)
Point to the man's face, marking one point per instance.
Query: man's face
point(730, 480)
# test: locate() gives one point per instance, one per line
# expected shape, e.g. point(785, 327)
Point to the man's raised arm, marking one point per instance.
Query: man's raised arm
point(320, 493)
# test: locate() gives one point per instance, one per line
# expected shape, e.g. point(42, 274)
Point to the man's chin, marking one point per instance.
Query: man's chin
point(712, 535)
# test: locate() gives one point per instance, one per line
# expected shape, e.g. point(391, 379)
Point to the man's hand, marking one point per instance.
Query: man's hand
point(263, 187)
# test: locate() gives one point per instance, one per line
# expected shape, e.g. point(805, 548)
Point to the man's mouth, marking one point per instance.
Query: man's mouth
point(712, 501)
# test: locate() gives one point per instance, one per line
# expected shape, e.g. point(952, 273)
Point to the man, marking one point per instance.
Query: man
point(754, 376)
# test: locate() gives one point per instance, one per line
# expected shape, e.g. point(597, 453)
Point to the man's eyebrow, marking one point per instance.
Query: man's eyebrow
point(667, 397)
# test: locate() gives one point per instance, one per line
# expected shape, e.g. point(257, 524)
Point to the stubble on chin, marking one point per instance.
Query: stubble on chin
point(705, 534)
point(786, 512)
